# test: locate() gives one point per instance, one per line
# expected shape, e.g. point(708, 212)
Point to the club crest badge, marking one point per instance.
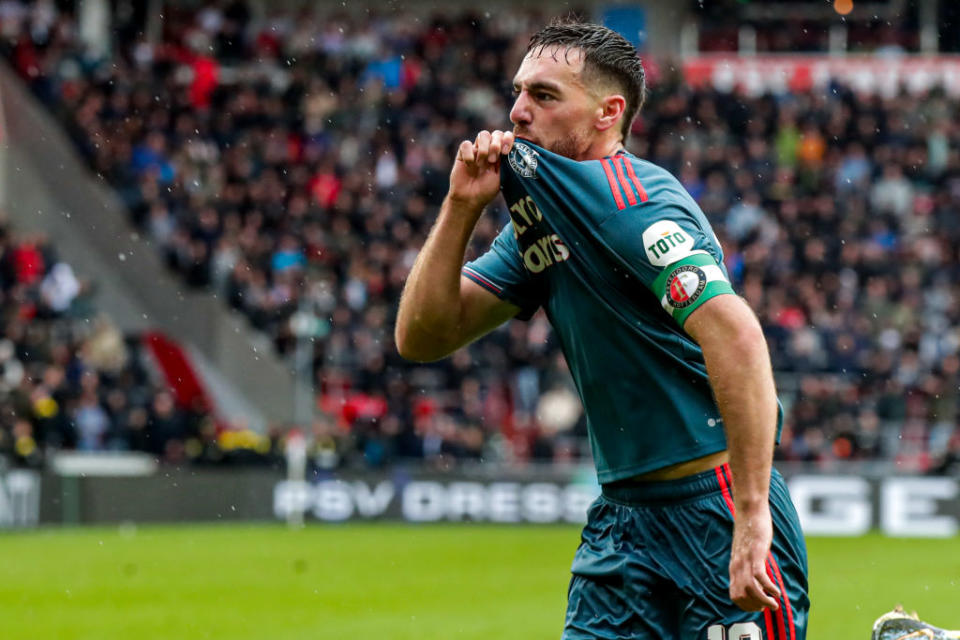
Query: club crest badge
point(523, 160)
point(685, 285)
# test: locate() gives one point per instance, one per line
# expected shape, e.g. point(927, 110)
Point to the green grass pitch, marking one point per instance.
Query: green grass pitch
point(385, 582)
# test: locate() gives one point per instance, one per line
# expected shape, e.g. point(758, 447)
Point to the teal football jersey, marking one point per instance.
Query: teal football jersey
point(618, 255)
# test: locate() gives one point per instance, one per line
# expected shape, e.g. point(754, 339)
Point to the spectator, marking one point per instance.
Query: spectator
point(893, 193)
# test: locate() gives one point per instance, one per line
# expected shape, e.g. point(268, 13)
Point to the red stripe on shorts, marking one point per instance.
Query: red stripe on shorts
point(786, 600)
point(768, 619)
point(782, 627)
point(723, 473)
point(725, 489)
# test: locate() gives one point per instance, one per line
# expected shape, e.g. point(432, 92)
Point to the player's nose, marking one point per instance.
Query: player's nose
point(520, 113)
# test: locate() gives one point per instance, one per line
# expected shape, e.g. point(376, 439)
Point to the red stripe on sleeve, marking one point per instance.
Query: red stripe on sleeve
point(786, 600)
point(636, 181)
point(480, 279)
point(613, 184)
point(617, 160)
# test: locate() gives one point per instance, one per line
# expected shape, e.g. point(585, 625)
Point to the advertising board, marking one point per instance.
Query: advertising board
point(828, 505)
point(885, 75)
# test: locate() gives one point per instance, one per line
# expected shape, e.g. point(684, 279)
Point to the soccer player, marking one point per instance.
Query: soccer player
point(694, 535)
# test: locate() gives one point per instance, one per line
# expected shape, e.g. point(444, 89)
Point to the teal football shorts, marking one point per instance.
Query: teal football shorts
point(654, 560)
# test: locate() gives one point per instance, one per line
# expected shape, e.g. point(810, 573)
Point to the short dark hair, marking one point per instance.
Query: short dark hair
point(607, 56)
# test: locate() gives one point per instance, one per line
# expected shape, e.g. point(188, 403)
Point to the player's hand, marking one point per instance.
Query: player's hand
point(475, 179)
point(751, 587)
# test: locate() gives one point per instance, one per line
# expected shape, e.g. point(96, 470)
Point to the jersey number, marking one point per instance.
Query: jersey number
point(739, 631)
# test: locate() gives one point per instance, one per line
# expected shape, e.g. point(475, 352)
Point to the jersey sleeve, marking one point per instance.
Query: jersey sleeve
point(674, 252)
point(500, 270)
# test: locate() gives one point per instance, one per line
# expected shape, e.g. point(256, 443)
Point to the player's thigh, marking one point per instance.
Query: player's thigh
point(600, 609)
point(615, 592)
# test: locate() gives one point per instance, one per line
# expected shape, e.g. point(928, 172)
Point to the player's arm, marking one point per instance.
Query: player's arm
point(738, 364)
point(424, 334)
point(440, 310)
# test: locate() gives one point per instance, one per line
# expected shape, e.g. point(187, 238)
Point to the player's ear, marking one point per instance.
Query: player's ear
point(610, 110)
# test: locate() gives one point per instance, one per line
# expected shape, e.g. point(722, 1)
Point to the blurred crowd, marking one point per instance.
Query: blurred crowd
point(289, 163)
point(838, 215)
point(69, 379)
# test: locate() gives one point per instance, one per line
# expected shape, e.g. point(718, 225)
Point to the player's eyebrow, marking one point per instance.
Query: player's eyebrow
point(538, 85)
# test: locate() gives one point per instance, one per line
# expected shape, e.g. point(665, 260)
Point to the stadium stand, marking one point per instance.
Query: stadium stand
point(289, 163)
point(806, 29)
point(71, 380)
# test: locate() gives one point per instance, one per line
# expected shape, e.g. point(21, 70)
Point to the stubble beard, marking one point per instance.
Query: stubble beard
point(573, 145)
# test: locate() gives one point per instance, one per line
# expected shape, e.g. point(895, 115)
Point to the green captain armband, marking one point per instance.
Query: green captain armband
point(687, 283)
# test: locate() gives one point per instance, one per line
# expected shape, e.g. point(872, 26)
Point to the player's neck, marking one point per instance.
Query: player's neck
point(602, 149)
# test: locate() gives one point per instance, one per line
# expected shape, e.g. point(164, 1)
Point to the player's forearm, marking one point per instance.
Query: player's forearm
point(428, 318)
point(739, 368)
